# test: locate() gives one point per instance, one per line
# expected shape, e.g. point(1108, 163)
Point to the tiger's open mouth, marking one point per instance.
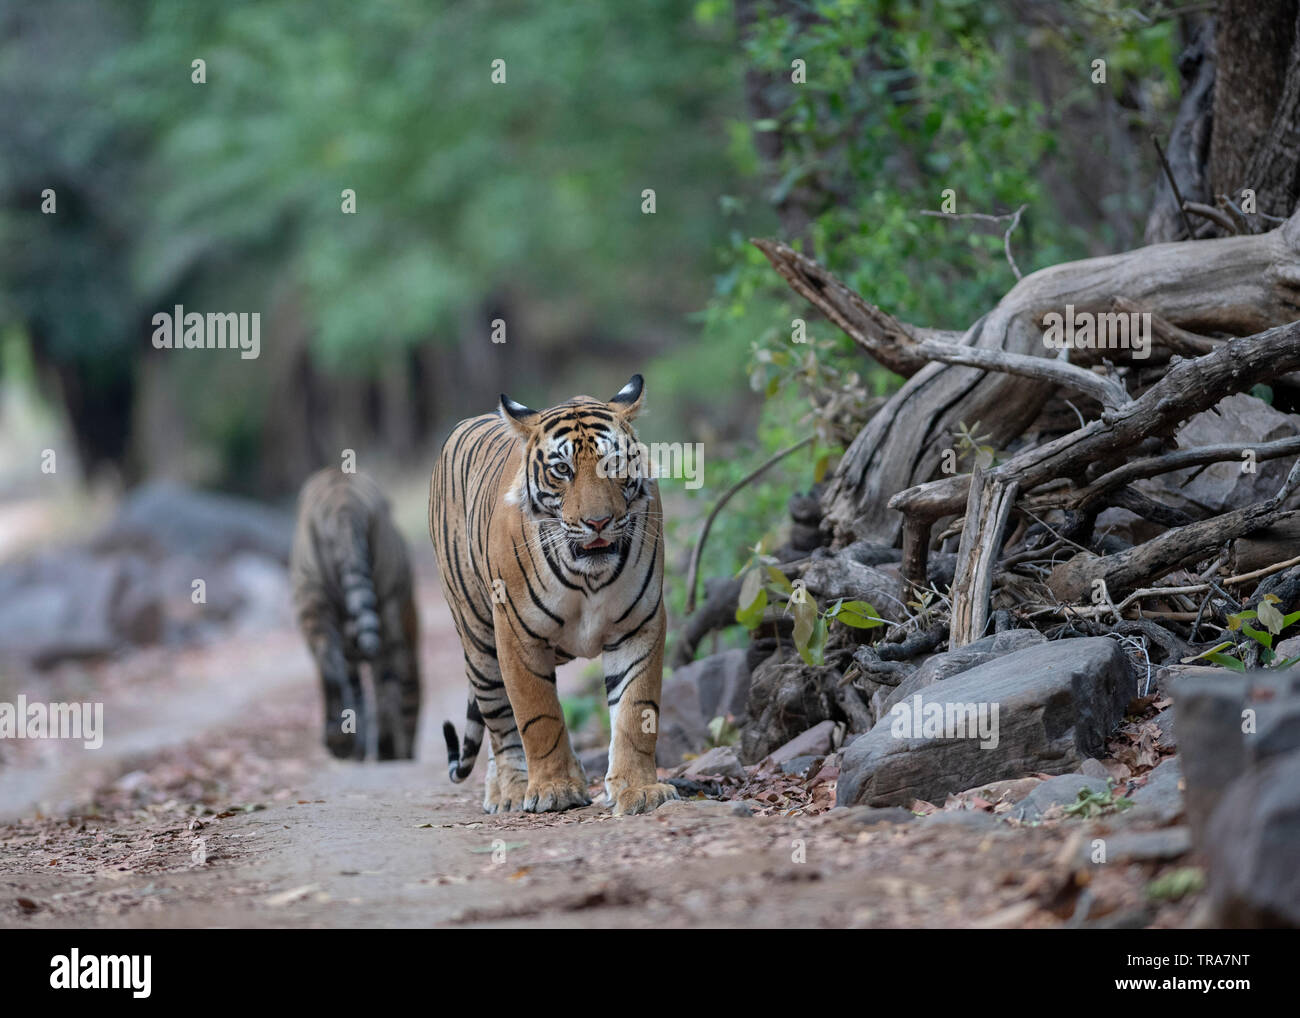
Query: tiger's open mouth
point(600, 546)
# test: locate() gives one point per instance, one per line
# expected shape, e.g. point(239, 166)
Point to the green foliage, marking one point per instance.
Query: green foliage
point(901, 102)
point(764, 581)
point(723, 732)
point(227, 194)
point(1268, 615)
point(462, 184)
point(1091, 804)
point(587, 706)
point(1176, 884)
point(973, 447)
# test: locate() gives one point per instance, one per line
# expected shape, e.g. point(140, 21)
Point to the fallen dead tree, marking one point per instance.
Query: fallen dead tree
point(1080, 432)
point(1233, 287)
point(1223, 319)
point(1189, 387)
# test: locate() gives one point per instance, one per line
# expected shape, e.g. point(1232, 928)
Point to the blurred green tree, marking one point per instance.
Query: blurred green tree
point(470, 195)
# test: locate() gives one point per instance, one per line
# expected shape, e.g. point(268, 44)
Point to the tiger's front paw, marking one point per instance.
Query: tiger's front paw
point(505, 793)
point(643, 798)
point(556, 794)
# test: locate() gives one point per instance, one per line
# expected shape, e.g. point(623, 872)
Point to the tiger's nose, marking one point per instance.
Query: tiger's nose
point(596, 525)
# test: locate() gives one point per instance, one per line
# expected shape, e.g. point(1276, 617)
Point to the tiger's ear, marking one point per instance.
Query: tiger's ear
point(521, 419)
point(627, 402)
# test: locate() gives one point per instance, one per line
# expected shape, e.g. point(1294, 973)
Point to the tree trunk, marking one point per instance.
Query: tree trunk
point(1238, 125)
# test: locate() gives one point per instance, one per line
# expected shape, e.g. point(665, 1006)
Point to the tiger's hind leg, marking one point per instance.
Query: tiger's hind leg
point(507, 783)
point(397, 685)
point(507, 776)
point(345, 733)
point(490, 793)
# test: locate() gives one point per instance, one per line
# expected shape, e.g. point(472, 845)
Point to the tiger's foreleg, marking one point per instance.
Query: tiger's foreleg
point(555, 778)
point(633, 679)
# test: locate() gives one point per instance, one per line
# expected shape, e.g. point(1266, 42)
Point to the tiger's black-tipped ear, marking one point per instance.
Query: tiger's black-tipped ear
point(628, 400)
point(519, 417)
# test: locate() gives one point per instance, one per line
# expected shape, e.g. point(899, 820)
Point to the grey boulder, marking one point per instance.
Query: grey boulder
point(1055, 705)
point(694, 695)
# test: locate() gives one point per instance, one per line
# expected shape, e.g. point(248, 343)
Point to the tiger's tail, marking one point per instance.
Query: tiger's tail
point(359, 598)
point(461, 758)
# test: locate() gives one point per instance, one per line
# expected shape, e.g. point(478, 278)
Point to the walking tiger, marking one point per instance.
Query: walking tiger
point(549, 537)
point(352, 590)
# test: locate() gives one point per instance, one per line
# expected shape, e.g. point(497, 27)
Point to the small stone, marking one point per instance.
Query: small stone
point(1160, 800)
point(1094, 768)
point(973, 818)
point(816, 741)
point(720, 762)
point(800, 765)
point(1054, 792)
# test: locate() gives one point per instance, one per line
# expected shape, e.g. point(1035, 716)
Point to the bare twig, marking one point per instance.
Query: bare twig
point(1238, 217)
point(1012, 219)
point(1178, 195)
point(693, 574)
point(1127, 569)
point(1167, 334)
point(1276, 567)
point(1212, 214)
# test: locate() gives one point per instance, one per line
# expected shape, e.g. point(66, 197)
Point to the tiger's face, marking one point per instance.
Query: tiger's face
point(583, 481)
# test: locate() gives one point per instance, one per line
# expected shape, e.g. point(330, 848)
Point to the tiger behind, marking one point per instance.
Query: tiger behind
point(352, 590)
point(549, 538)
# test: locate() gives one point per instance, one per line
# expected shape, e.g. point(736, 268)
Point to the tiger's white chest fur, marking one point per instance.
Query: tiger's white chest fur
point(591, 620)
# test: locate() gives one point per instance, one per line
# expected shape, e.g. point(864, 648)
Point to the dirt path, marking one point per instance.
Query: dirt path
point(376, 845)
point(218, 807)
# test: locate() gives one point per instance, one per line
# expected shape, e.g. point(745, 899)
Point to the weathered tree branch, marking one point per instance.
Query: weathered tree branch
point(1188, 387)
point(987, 510)
point(1233, 285)
point(1152, 466)
point(1167, 334)
point(1074, 580)
point(1063, 373)
point(879, 334)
